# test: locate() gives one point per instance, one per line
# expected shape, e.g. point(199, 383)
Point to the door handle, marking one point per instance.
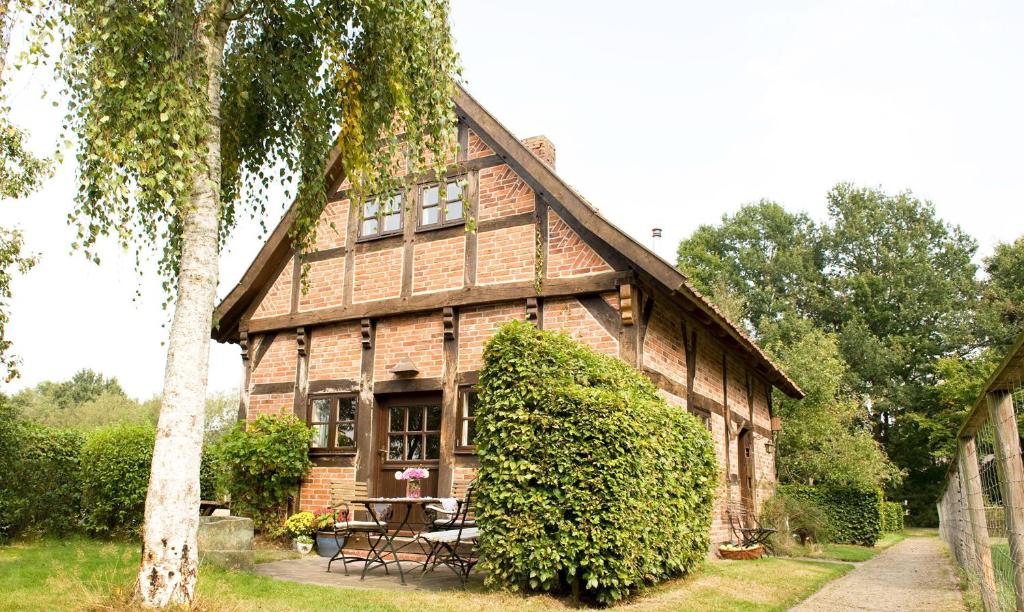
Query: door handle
point(383, 452)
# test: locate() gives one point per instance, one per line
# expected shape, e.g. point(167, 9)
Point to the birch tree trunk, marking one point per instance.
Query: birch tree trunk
point(6, 23)
point(167, 573)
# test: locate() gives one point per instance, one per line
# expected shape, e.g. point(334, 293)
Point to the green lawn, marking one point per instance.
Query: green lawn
point(86, 574)
point(847, 552)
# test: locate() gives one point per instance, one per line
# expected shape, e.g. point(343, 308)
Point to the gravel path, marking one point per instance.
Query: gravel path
point(915, 574)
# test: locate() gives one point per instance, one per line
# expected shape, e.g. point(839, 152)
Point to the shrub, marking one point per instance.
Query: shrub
point(854, 515)
point(115, 476)
point(266, 462)
point(892, 517)
point(795, 517)
point(39, 490)
point(587, 478)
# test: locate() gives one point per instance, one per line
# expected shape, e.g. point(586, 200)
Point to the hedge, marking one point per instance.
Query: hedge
point(892, 517)
point(854, 515)
point(588, 479)
point(115, 476)
point(39, 490)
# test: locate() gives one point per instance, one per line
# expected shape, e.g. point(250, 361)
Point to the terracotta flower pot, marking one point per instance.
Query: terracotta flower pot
point(742, 555)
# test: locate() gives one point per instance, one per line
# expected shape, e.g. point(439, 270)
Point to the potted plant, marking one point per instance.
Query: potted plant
point(300, 526)
point(326, 543)
point(412, 477)
point(303, 544)
point(739, 552)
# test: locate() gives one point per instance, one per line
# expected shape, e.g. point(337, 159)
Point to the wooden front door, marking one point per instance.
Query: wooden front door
point(408, 435)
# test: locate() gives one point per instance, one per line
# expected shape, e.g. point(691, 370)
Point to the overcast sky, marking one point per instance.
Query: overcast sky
point(666, 114)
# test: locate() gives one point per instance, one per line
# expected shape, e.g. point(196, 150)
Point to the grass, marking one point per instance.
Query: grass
point(846, 552)
point(87, 574)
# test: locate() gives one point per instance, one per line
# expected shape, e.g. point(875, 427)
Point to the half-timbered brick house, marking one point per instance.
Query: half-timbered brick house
point(381, 352)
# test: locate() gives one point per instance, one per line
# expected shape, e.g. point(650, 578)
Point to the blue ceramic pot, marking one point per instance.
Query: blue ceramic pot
point(326, 545)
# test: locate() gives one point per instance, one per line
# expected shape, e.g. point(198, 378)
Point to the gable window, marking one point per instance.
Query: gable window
point(381, 216)
point(333, 419)
point(467, 419)
point(441, 204)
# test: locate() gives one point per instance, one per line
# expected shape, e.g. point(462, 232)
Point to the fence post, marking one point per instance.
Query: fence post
point(1011, 477)
point(979, 528)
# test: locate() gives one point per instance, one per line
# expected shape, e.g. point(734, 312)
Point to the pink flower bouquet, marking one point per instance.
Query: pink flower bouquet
point(413, 476)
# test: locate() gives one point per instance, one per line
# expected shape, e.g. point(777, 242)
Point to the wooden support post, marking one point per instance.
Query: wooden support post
point(301, 372)
point(971, 479)
point(366, 453)
point(243, 399)
point(1011, 479)
point(449, 409)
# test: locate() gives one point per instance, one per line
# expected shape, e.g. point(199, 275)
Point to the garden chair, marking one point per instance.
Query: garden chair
point(455, 547)
point(346, 524)
point(747, 530)
point(440, 518)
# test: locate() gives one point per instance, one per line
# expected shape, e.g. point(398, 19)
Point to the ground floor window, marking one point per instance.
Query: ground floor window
point(333, 419)
point(467, 419)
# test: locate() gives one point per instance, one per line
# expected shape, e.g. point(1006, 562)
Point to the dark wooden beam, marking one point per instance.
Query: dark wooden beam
point(273, 388)
point(366, 417)
point(410, 385)
point(605, 314)
point(342, 385)
point(449, 408)
point(467, 296)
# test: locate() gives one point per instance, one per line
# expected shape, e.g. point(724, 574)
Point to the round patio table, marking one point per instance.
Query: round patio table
point(387, 534)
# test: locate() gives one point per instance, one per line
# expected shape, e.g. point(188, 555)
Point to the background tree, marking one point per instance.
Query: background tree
point(182, 108)
point(892, 283)
point(21, 173)
point(1001, 311)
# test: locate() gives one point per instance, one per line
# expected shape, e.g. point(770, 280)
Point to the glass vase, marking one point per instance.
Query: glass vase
point(413, 489)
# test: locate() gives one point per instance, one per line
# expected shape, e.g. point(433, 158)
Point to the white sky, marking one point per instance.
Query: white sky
point(664, 114)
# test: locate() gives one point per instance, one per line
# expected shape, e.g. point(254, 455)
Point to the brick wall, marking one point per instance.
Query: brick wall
point(278, 300)
point(568, 254)
point(476, 147)
point(719, 520)
point(274, 403)
point(503, 193)
point(477, 325)
point(461, 479)
point(708, 379)
point(377, 275)
point(327, 237)
point(316, 488)
point(506, 255)
point(568, 315)
point(325, 284)
point(335, 352)
point(439, 265)
point(278, 363)
point(663, 345)
point(420, 336)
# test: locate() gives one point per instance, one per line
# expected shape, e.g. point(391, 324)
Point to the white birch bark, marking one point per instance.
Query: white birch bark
point(168, 570)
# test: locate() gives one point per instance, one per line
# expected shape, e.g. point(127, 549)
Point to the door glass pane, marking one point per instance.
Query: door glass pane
point(321, 411)
point(416, 418)
point(319, 436)
point(397, 419)
point(395, 448)
point(346, 435)
point(346, 409)
point(433, 446)
point(433, 418)
point(415, 450)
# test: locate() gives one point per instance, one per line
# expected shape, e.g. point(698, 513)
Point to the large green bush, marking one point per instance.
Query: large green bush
point(892, 517)
point(39, 486)
point(115, 476)
point(266, 463)
point(854, 515)
point(588, 479)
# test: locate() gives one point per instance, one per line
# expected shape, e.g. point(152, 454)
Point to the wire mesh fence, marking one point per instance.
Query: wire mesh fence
point(981, 510)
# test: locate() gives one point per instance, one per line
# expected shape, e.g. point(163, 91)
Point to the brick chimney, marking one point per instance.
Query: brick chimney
point(542, 148)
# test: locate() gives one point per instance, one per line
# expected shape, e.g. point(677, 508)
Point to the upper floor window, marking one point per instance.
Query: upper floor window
point(381, 216)
point(467, 418)
point(333, 419)
point(442, 203)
